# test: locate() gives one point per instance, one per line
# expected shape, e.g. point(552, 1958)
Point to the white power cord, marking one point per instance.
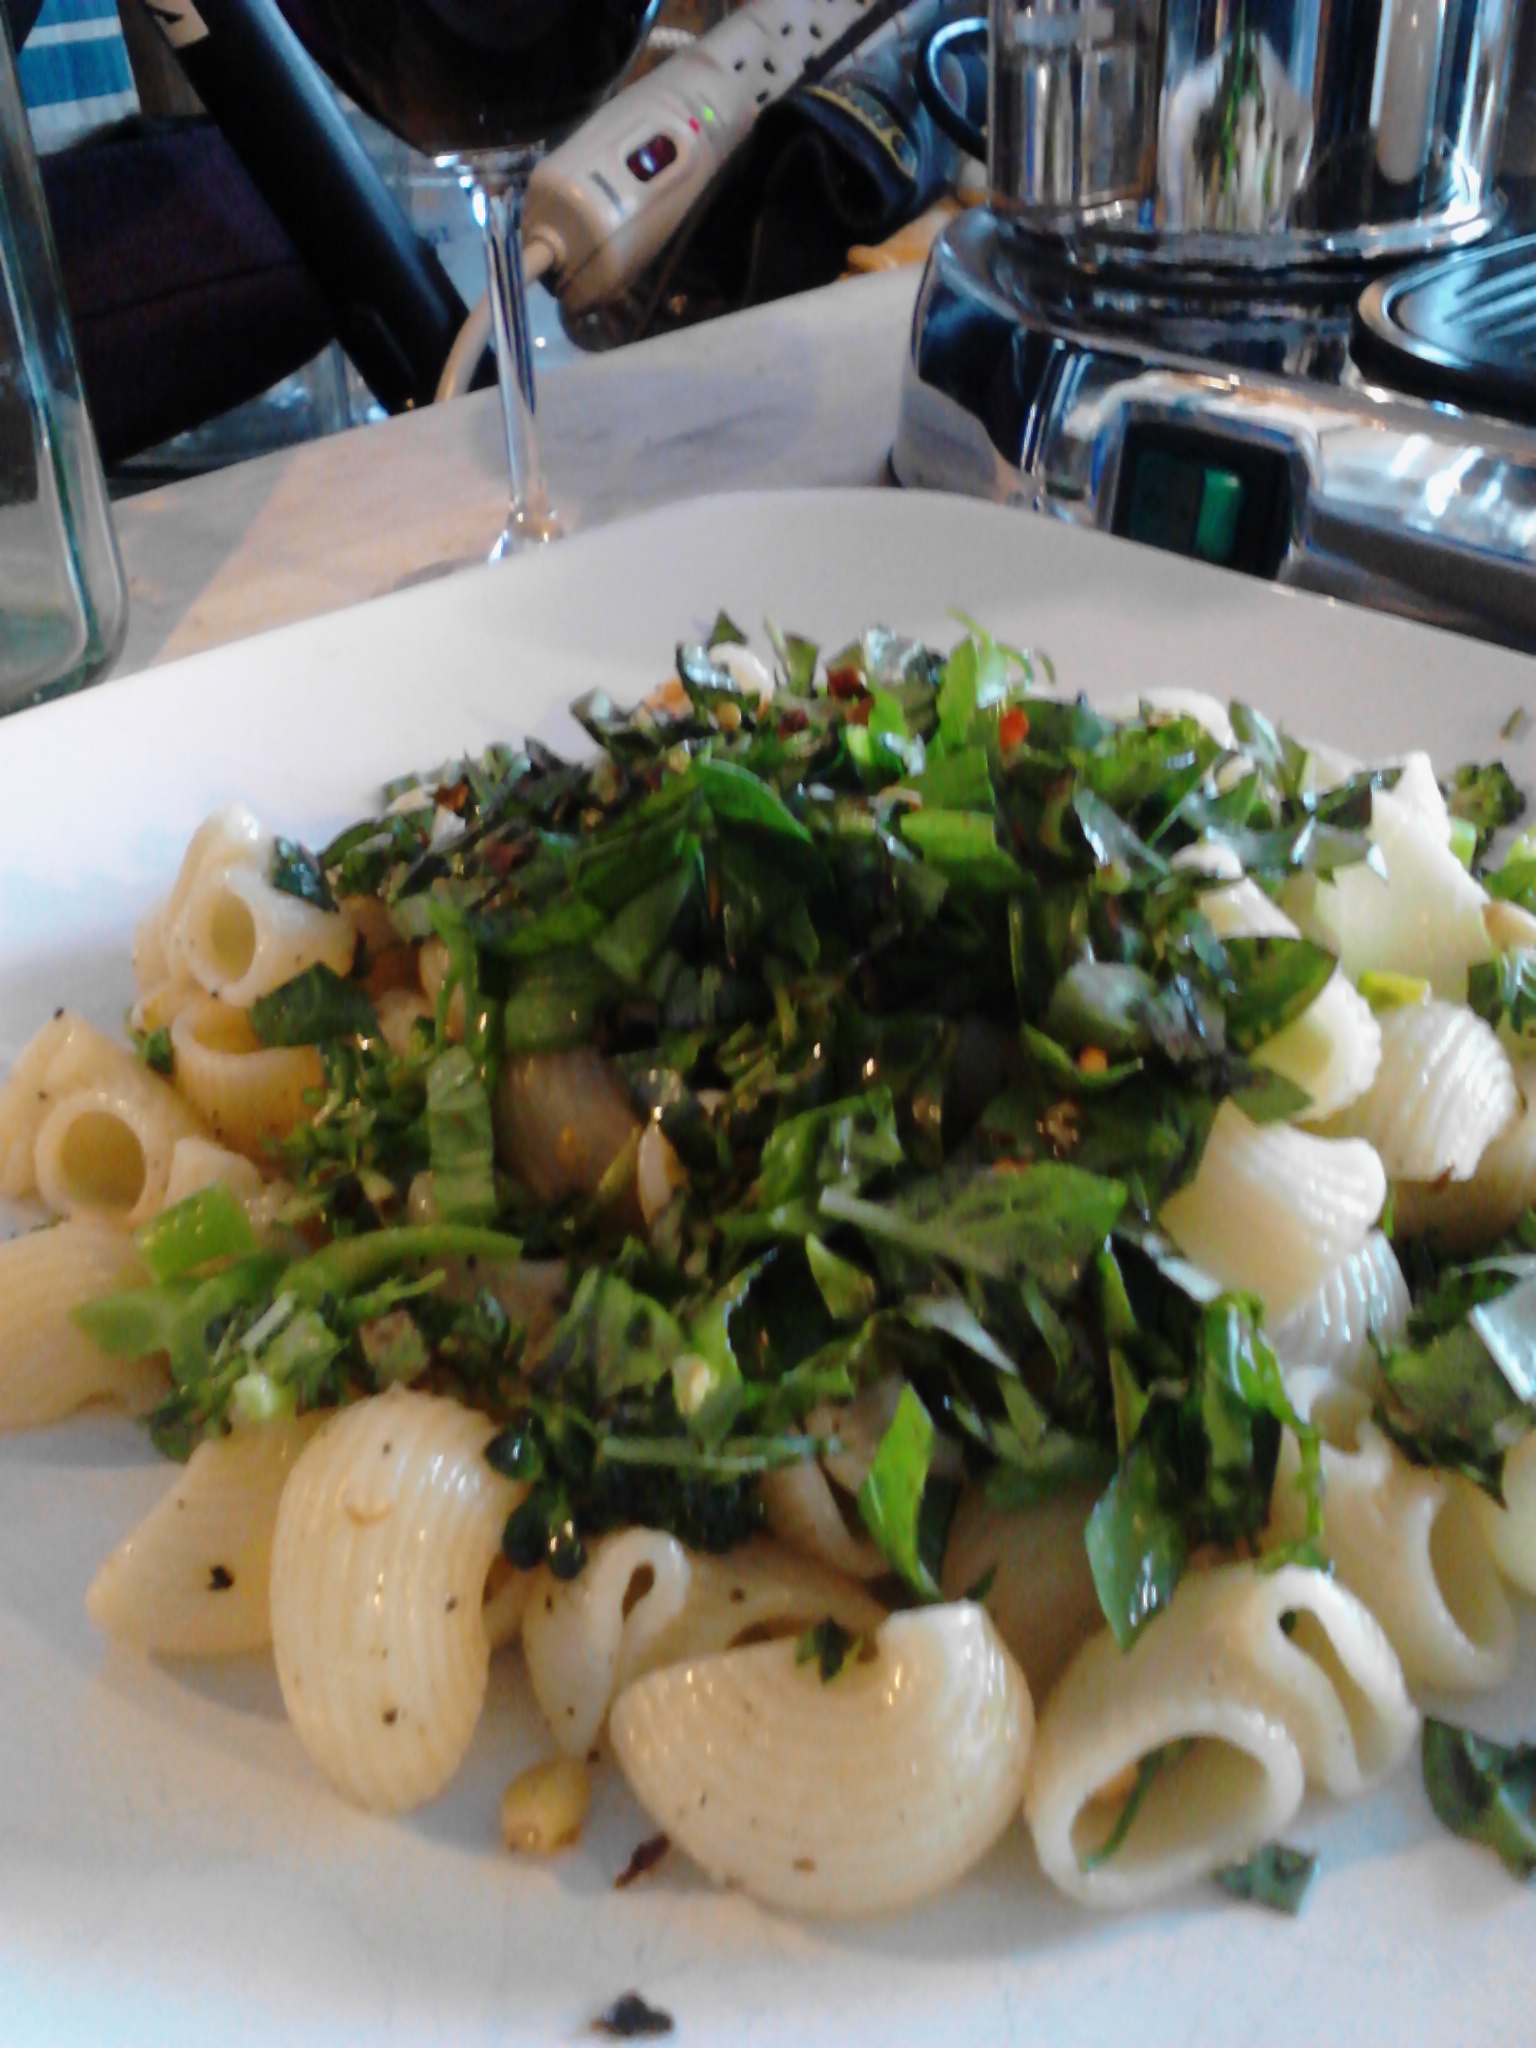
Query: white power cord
point(474, 337)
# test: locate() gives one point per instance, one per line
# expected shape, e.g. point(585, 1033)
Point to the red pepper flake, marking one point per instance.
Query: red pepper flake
point(647, 1855)
point(453, 797)
point(858, 714)
point(1013, 726)
point(846, 683)
point(792, 720)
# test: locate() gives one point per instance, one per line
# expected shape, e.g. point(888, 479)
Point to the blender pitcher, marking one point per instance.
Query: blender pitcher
point(63, 600)
point(1072, 111)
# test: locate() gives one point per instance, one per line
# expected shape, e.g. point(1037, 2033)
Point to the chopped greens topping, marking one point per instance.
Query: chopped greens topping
point(1276, 1876)
point(313, 1009)
point(297, 872)
point(829, 1646)
point(1484, 1791)
point(154, 1049)
point(896, 970)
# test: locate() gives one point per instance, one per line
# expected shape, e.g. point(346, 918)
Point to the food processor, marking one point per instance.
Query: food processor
point(1255, 282)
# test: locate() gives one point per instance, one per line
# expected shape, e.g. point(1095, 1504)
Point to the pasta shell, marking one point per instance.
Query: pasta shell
point(1230, 1775)
point(251, 1095)
point(1424, 918)
point(1336, 1680)
point(50, 1368)
point(1365, 1297)
point(1510, 1531)
point(803, 1513)
point(644, 1601)
point(1443, 1092)
point(1464, 1215)
point(193, 1579)
point(846, 1798)
point(1406, 1540)
point(1033, 1563)
point(1273, 1210)
point(385, 1533)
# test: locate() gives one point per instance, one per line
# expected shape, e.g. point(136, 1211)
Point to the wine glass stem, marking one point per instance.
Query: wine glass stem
point(499, 210)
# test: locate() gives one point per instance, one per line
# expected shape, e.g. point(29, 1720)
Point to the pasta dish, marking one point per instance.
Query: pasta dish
point(927, 1253)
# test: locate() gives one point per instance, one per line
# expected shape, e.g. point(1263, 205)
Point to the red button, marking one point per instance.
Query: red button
point(651, 157)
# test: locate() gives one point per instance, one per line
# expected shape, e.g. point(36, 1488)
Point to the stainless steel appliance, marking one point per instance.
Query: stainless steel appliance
point(1248, 288)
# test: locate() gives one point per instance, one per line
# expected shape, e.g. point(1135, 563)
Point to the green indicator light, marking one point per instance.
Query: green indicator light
point(1221, 505)
point(709, 113)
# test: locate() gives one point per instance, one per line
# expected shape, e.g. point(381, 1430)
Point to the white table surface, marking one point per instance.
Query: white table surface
point(803, 392)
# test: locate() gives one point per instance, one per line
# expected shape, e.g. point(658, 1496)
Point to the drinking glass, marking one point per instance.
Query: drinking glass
point(483, 85)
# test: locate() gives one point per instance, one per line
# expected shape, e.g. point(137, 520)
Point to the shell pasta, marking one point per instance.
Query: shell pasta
point(919, 1260)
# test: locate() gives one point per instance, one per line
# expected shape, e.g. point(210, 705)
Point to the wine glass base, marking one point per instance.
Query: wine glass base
point(533, 528)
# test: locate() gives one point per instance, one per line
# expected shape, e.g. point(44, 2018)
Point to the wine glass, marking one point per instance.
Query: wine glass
point(482, 85)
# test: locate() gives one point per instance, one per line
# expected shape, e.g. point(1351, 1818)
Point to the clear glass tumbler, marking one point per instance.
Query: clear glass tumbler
point(63, 598)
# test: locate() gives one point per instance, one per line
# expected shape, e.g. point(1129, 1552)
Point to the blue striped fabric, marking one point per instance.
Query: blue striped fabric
point(74, 71)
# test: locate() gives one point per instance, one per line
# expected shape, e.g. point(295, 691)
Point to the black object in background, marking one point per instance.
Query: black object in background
point(840, 161)
point(395, 311)
point(185, 295)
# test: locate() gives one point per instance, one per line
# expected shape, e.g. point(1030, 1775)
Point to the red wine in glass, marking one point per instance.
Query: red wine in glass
point(483, 84)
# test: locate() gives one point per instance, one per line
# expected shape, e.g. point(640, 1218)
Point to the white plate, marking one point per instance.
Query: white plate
point(170, 1869)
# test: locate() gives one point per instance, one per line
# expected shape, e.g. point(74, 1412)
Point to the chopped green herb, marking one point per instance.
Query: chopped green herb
point(1276, 1876)
point(1484, 1791)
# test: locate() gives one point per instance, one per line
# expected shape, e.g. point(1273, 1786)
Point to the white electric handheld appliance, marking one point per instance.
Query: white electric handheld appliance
point(603, 205)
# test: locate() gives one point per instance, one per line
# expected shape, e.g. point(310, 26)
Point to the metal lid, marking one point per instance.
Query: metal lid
point(1461, 329)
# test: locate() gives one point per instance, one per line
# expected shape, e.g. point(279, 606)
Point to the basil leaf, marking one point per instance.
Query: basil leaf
point(296, 872)
point(208, 1225)
point(1277, 979)
point(1044, 1221)
point(1275, 1876)
point(1483, 1791)
point(1136, 1547)
point(891, 1498)
point(313, 1008)
point(460, 1139)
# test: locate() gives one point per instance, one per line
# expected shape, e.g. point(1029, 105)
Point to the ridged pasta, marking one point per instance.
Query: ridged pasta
point(193, 1579)
point(385, 1533)
point(250, 1095)
point(240, 938)
point(1040, 1592)
point(644, 1601)
point(1406, 1539)
point(1424, 918)
point(1364, 1298)
point(1443, 1092)
point(48, 1368)
point(803, 1512)
point(231, 837)
point(1333, 1048)
point(85, 1125)
point(1465, 1215)
point(1244, 1688)
point(562, 1119)
point(843, 1798)
point(1273, 1210)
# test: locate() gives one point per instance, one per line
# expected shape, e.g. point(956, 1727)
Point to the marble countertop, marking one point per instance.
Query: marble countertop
point(802, 392)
